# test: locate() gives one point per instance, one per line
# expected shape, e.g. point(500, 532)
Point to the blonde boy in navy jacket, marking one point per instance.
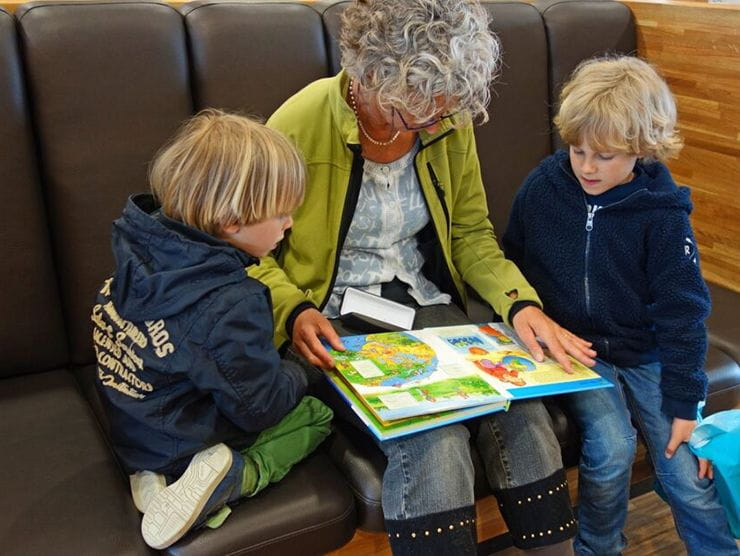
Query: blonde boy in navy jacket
point(603, 234)
point(192, 385)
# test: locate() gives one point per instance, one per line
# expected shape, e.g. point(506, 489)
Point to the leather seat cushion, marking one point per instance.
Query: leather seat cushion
point(61, 485)
point(311, 507)
point(310, 511)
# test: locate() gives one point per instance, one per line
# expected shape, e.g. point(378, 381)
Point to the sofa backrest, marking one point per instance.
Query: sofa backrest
point(109, 83)
point(578, 30)
point(250, 57)
point(31, 330)
point(517, 136)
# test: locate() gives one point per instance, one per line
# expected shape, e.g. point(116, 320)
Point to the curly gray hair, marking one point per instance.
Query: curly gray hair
point(408, 52)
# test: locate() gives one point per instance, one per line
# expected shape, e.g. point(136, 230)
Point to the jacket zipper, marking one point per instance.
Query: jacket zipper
point(348, 211)
point(457, 296)
point(440, 193)
point(590, 214)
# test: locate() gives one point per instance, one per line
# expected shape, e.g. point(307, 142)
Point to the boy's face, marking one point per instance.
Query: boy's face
point(257, 239)
point(598, 172)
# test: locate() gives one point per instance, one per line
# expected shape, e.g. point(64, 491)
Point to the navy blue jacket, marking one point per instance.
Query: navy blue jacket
point(624, 275)
point(183, 339)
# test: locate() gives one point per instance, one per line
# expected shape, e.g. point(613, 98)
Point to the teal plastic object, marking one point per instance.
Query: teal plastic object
point(717, 438)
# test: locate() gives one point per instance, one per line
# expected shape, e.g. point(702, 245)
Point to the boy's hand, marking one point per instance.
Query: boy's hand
point(681, 430)
point(308, 329)
point(531, 323)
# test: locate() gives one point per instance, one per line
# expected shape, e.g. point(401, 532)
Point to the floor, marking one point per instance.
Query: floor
point(649, 530)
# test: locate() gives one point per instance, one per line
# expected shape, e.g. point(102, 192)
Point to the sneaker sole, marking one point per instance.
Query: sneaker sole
point(172, 512)
point(145, 485)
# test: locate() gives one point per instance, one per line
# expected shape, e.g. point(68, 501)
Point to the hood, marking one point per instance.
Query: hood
point(163, 266)
point(656, 188)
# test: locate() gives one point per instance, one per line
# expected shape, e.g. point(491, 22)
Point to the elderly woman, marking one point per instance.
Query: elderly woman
point(395, 205)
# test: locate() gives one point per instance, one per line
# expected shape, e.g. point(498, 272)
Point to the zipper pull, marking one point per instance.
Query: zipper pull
point(590, 216)
point(435, 181)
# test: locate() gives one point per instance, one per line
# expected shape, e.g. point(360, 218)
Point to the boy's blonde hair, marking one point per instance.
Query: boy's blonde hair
point(222, 169)
point(619, 104)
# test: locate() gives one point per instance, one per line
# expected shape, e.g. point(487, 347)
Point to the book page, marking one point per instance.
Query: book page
point(410, 425)
point(398, 375)
point(496, 351)
point(402, 374)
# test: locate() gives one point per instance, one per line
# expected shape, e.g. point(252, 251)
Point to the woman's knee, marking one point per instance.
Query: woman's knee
point(448, 447)
point(516, 451)
point(453, 436)
point(445, 443)
point(431, 470)
point(525, 428)
point(531, 412)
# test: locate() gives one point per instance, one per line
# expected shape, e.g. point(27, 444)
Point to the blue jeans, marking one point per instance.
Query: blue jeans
point(431, 473)
point(609, 440)
point(427, 473)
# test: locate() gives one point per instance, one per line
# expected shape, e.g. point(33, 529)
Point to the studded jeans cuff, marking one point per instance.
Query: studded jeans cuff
point(539, 513)
point(443, 533)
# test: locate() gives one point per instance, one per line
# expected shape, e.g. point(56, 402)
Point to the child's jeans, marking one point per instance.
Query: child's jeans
point(609, 441)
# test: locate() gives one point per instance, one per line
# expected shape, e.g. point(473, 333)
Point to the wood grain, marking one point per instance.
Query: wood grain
point(697, 49)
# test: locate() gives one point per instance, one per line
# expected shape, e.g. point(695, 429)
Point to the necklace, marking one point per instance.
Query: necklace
point(362, 126)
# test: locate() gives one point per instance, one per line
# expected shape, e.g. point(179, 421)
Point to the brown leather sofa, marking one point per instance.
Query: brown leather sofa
point(88, 92)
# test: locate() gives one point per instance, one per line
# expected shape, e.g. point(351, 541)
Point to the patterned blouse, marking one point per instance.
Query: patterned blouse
point(381, 242)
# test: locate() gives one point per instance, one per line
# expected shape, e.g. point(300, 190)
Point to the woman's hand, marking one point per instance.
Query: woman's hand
point(531, 323)
point(308, 329)
point(681, 430)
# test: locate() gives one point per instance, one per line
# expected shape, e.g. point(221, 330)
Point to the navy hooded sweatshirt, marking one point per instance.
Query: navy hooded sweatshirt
point(183, 340)
point(620, 270)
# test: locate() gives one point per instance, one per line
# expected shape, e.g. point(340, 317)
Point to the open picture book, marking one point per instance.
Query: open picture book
point(399, 383)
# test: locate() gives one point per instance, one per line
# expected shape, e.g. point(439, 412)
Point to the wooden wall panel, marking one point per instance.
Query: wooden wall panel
point(697, 48)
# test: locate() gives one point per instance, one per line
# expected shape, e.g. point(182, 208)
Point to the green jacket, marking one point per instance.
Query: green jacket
point(458, 244)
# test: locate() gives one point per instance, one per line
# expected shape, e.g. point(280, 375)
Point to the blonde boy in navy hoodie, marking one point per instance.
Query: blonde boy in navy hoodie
point(602, 232)
point(191, 383)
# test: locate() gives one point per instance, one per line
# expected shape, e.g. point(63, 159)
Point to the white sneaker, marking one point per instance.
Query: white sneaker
point(173, 511)
point(145, 485)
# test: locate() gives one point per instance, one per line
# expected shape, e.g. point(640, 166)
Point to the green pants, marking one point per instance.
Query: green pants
point(280, 447)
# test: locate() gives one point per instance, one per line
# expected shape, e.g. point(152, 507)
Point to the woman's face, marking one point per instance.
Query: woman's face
point(406, 122)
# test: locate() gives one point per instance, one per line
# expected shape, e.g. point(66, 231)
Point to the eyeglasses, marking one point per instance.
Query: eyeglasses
point(423, 125)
